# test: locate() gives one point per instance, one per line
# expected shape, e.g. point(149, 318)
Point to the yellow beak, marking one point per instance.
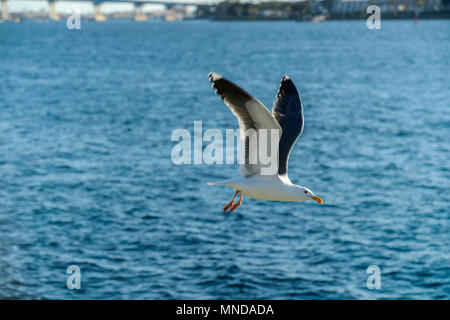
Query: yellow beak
point(318, 199)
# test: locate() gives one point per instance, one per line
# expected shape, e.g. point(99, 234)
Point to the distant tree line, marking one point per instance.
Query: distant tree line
point(232, 10)
point(307, 10)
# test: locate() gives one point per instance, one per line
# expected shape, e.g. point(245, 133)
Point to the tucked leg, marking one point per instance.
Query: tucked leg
point(236, 205)
point(228, 205)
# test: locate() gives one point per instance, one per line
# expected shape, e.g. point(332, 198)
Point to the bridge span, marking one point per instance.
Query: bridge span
point(139, 14)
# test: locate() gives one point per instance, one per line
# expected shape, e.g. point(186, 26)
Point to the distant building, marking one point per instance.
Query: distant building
point(273, 13)
point(317, 8)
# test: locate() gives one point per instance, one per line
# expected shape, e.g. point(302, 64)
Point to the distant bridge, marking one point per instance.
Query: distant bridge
point(139, 14)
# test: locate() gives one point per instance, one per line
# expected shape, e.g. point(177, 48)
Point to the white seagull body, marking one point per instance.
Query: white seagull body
point(287, 118)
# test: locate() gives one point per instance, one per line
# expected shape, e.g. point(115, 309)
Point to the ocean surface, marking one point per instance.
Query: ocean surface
point(86, 176)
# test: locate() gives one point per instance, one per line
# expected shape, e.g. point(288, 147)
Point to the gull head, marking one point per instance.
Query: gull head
point(305, 194)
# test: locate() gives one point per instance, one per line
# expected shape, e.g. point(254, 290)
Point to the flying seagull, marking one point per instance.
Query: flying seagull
point(287, 117)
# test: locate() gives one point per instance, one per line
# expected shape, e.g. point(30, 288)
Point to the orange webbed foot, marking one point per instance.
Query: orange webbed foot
point(234, 207)
point(227, 206)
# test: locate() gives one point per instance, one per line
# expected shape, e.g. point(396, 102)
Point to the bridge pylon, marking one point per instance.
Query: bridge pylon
point(174, 12)
point(52, 14)
point(98, 15)
point(5, 12)
point(139, 14)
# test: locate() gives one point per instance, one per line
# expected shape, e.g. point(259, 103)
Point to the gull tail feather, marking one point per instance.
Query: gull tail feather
point(228, 182)
point(217, 183)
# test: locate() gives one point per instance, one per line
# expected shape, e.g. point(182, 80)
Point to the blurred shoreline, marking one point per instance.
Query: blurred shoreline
point(311, 10)
point(308, 10)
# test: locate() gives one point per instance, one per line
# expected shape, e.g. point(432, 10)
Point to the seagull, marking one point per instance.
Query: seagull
point(287, 117)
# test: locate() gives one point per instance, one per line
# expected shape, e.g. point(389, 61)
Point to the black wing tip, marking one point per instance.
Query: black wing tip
point(287, 85)
point(286, 80)
point(213, 77)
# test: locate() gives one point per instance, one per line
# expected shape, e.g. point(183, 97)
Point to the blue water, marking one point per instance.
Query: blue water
point(86, 176)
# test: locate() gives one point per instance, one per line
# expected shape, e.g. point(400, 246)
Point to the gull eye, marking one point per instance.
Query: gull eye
point(306, 191)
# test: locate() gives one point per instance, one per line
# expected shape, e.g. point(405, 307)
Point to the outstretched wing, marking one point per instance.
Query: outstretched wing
point(288, 110)
point(252, 116)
